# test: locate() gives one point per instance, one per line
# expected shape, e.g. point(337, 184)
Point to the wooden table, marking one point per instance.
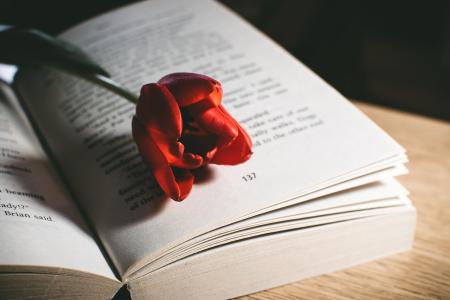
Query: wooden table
point(424, 271)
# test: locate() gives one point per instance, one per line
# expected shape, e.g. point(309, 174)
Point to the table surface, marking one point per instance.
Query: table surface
point(424, 271)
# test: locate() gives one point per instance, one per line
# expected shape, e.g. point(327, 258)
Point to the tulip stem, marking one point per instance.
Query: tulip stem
point(113, 86)
point(104, 81)
point(52, 52)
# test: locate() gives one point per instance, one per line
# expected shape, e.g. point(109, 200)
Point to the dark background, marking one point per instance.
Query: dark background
point(393, 53)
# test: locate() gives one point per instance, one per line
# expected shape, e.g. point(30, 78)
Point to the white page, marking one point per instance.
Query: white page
point(388, 188)
point(325, 136)
point(375, 195)
point(40, 224)
point(376, 208)
point(373, 176)
point(362, 189)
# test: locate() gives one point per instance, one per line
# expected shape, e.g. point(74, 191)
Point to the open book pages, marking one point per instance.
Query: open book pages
point(318, 162)
point(42, 232)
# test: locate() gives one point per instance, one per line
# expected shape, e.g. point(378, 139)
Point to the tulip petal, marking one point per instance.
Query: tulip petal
point(158, 111)
point(175, 152)
point(218, 122)
point(189, 88)
point(185, 180)
point(203, 144)
point(238, 151)
point(186, 160)
point(163, 173)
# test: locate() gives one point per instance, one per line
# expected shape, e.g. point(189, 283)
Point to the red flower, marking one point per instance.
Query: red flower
point(180, 125)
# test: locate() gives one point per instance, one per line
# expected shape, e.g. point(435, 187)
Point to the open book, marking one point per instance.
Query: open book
point(81, 216)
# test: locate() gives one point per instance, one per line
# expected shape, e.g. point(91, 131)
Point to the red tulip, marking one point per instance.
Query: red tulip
point(180, 125)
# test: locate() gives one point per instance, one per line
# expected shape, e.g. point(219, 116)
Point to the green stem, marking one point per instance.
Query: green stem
point(113, 86)
point(103, 81)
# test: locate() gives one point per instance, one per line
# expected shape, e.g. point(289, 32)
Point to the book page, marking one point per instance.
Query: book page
point(305, 133)
point(40, 224)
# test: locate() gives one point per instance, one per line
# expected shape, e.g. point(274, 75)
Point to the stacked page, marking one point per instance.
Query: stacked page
point(319, 165)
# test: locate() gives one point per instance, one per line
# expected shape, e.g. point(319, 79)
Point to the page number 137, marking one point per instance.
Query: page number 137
point(249, 177)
